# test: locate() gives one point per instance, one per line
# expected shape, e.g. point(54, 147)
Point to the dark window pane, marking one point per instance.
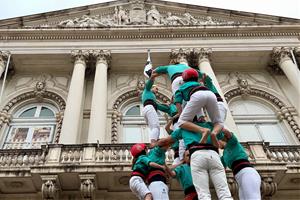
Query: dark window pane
point(29, 113)
point(46, 112)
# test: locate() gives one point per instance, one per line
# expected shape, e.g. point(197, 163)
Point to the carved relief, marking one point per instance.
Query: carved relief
point(180, 55)
point(268, 187)
point(50, 188)
point(243, 85)
point(102, 56)
point(40, 90)
point(153, 16)
point(87, 186)
point(3, 57)
point(279, 55)
point(200, 55)
point(137, 13)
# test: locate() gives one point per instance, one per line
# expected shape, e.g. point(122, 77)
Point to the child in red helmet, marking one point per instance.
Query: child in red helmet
point(197, 97)
point(140, 169)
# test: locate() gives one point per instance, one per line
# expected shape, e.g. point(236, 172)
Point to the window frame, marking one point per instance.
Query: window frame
point(138, 121)
point(32, 123)
point(257, 120)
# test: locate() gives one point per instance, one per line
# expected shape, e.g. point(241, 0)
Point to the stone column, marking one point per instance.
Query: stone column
point(3, 60)
point(203, 59)
point(97, 128)
point(72, 115)
point(282, 56)
point(179, 56)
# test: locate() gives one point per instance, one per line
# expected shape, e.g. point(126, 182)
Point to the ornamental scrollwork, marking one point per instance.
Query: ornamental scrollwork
point(50, 189)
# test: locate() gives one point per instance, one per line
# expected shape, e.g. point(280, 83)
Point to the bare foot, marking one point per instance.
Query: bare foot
point(148, 196)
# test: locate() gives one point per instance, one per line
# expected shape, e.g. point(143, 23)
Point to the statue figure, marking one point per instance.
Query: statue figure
point(67, 23)
point(86, 21)
point(153, 16)
point(173, 20)
point(209, 21)
point(122, 16)
point(188, 19)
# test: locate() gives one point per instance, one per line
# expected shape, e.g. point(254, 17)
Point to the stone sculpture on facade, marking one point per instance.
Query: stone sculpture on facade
point(122, 16)
point(137, 14)
point(153, 16)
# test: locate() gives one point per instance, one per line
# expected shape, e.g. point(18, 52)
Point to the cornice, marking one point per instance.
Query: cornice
point(141, 32)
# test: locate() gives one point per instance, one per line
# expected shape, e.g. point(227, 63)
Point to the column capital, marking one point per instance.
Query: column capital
point(102, 56)
point(180, 56)
point(80, 55)
point(3, 56)
point(281, 54)
point(297, 51)
point(202, 54)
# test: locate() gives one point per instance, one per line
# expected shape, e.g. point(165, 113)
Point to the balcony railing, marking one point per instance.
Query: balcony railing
point(95, 154)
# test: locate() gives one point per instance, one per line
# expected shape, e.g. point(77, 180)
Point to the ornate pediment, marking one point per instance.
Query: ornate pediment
point(139, 13)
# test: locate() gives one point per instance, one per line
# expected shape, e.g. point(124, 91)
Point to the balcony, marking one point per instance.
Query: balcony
point(104, 169)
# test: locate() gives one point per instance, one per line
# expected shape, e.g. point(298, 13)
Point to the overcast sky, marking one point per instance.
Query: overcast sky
point(286, 8)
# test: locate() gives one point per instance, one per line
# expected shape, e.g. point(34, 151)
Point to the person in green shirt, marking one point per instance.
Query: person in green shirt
point(148, 99)
point(197, 97)
point(140, 169)
point(183, 174)
point(174, 72)
point(157, 178)
point(205, 161)
point(235, 158)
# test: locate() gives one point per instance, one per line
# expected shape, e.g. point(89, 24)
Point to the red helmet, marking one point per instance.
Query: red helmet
point(189, 73)
point(137, 149)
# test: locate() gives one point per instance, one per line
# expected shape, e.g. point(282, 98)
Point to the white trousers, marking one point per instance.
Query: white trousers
point(177, 82)
point(206, 164)
point(151, 119)
point(159, 190)
point(138, 187)
point(199, 100)
point(223, 111)
point(249, 182)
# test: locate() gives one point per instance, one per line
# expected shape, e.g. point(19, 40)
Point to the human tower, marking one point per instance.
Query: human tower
point(195, 140)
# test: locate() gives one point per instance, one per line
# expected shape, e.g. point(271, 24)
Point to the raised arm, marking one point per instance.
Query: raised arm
point(158, 166)
point(168, 126)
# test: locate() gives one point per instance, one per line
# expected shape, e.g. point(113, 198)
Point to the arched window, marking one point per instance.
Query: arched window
point(31, 127)
point(134, 127)
point(258, 122)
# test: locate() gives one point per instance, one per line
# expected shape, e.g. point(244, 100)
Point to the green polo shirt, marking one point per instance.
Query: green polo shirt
point(171, 109)
point(183, 93)
point(233, 151)
point(207, 82)
point(171, 69)
point(147, 93)
point(142, 164)
point(191, 137)
point(157, 155)
point(175, 146)
point(184, 176)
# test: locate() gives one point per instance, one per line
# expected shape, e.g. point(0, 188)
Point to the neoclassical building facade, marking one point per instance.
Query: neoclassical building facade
point(71, 79)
